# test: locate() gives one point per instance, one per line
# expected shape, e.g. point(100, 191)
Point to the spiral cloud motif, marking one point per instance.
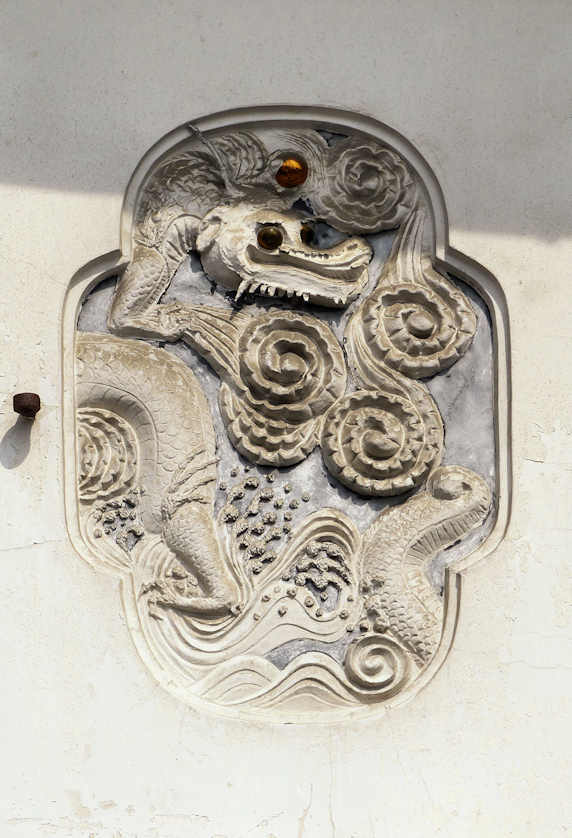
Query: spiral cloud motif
point(291, 371)
point(417, 331)
point(416, 321)
point(368, 187)
point(382, 442)
point(377, 663)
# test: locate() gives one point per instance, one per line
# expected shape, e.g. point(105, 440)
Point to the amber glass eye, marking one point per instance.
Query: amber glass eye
point(307, 234)
point(292, 172)
point(270, 237)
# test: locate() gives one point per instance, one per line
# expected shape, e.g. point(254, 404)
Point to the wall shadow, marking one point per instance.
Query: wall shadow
point(15, 444)
point(482, 96)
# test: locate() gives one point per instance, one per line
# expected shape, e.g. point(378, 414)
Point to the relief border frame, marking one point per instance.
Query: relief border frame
point(445, 256)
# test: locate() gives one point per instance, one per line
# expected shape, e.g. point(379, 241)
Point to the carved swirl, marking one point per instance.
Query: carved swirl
point(382, 442)
point(416, 331)
point(377, 663)
point(107, 454)
point(415, 321)
point(291, 371)
point(368, 187)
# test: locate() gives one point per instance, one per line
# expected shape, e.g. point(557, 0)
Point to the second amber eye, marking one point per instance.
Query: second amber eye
point(270, 237)
point(307, 234)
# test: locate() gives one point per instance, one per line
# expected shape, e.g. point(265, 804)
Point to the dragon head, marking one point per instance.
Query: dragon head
point(269, 252)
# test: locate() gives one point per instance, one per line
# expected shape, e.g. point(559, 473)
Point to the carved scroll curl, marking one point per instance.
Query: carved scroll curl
point(416, 321)
point(382, 442)
point(377, 663)
point(291, 371)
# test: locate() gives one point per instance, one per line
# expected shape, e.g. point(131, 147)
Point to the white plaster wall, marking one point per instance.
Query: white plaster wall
point(90, 746)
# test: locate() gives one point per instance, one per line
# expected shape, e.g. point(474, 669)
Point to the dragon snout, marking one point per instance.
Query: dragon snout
point(279, 254)
point(292, 262)
point(305, 240)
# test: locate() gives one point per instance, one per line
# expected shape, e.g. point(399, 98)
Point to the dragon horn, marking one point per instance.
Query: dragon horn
point(219, 159)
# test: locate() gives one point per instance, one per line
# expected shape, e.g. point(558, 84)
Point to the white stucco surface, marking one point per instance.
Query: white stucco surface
point(91, 746)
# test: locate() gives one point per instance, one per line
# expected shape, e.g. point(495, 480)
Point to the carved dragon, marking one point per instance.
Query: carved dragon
point(284, 379)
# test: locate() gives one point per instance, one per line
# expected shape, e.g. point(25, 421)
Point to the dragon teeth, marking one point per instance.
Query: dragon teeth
point(241, 289)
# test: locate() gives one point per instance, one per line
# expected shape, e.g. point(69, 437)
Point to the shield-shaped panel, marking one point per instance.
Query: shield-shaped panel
point(286, 414)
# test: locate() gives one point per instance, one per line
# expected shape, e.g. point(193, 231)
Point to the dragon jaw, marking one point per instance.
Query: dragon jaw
point(228, 242)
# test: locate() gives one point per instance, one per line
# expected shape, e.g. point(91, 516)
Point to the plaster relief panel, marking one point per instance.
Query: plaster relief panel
point(286, 415)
